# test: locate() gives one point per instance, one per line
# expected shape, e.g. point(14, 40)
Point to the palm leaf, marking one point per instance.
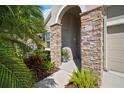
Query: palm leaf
point(17, 25)
point(13, 72)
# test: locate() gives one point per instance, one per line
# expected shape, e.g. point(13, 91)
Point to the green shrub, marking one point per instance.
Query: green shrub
point(45, 55)
point(36, 58)
point(84, 79)
point(48, 66)
point(65, 55)
point(38, 62)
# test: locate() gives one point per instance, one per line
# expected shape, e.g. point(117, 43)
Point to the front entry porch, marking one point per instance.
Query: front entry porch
point(83, 34)
point(70, 38)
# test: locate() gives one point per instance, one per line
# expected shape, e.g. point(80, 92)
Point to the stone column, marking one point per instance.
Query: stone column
point(55, 44)
point(92, 40)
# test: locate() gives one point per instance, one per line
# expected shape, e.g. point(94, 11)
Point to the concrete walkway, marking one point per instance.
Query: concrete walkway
point(113, 80)
point(60, 78)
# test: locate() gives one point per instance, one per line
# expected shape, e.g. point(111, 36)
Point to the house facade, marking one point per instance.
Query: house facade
point(95, 35)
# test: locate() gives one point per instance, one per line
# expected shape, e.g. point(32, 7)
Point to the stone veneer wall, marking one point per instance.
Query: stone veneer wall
point(55, 44)
point(92, 40)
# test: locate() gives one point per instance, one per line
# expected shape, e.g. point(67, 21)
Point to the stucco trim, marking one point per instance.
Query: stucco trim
point(115, 21)
point(47, 18)
point(102, 7)
point(63, 8)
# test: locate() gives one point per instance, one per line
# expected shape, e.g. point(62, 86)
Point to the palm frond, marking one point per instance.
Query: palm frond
point(17, 25)
point(13, 72)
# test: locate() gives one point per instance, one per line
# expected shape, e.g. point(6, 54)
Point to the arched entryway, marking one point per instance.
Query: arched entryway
point(67, 33)
point(71, 32)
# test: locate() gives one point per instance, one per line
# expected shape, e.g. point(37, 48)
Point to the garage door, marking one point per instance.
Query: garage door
point(115, 48)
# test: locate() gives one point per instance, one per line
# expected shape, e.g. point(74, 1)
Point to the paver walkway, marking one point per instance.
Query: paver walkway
point(60, 78)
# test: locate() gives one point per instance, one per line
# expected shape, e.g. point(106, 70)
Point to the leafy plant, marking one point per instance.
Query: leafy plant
point(20, 23)
point(34, 61)
point(36, 58)
point(44, 54)
point(17, 25)
point(13, 71)
point(48, 66)
point(65, 55)
point(84, 79)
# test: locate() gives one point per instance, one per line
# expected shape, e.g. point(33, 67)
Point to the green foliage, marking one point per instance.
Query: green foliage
point(13, 72)
point(84, 79)
point(43, 54)
point(39, 62)
point(65, 55)
point(17, 25)
point(48, 66)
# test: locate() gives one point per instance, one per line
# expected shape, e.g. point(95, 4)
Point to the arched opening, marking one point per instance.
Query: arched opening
point(71, 32)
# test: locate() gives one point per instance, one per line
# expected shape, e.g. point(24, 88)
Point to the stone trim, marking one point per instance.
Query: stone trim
point(55, 43)
point(92, 23)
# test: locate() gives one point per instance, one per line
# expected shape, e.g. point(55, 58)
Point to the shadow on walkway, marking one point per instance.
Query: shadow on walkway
point(46, 83)
point(78, 63)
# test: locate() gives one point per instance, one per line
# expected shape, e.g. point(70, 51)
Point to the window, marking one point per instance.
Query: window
point(47, 39)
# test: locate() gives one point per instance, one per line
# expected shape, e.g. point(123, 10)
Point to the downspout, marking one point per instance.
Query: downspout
point(105, 66)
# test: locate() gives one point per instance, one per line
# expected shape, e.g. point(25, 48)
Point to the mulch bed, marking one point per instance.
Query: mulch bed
point(34, 64)
point(41, 74)
point(70, 85)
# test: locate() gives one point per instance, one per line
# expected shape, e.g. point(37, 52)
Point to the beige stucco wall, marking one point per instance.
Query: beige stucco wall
point(58, 9)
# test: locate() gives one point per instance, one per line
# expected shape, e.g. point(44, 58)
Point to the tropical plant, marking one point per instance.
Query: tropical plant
point(36, 58)
point(20, 23)
point(43, 54)
point(65, 55)
point(84, 79)
point(48, 66)
point(34, 61)
point(13, 72)
point(17, 25)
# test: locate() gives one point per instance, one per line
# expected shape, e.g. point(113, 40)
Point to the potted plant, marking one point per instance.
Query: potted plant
point(65, 55)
